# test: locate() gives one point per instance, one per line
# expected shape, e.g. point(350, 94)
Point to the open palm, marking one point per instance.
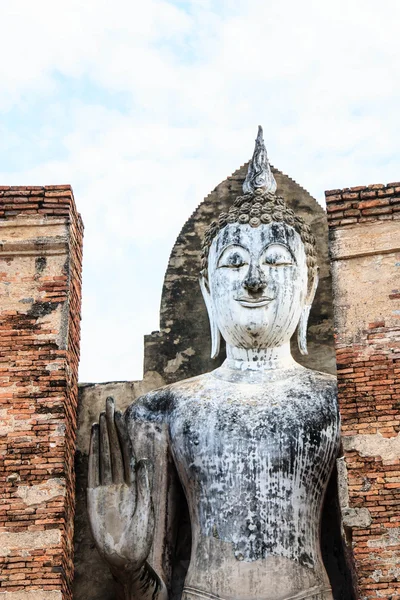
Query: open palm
point(119, 501)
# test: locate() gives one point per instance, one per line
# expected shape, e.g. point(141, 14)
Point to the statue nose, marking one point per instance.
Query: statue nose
point(255, 280)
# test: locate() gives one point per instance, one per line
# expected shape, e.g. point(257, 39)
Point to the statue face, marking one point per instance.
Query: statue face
point(258, 283)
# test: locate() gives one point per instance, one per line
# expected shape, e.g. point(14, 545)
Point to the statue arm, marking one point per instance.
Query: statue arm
point(120, 508)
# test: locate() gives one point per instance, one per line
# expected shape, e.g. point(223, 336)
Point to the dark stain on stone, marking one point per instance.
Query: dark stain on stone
point(41, 309)
point(66, 266)
point(44, 410)
point(58, 383)
point(40, 264)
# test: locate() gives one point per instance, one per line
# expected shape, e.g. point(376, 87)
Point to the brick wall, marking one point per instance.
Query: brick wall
point(365, 258)
point(40, 299)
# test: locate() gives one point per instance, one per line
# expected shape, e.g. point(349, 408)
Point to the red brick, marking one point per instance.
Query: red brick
point(368, 194)
point(372, 203)
point(348, 221)
point(376, 211)
point(369, 398)
point(357, 188)
point(338, 206)
point(27, 348)
point(350, 195)
point(386, 192)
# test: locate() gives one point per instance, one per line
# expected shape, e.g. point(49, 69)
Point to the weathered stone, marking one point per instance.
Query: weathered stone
point(365, 270)
point(91, 580)
point(40, 284)
point(251, 444)
point(43, 492)
point(182, 349)
point(19, 544)
point(356, 517)
point(386, 448)
point(183, 317)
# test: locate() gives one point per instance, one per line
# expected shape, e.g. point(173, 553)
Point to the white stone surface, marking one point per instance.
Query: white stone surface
point(251, 444)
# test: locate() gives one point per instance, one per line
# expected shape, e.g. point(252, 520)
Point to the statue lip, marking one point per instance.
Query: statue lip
point(253, 302)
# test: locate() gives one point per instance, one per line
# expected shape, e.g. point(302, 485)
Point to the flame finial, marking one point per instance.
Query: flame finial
point(259, 174)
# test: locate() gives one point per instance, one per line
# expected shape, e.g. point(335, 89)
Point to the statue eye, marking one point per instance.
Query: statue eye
point(233, 259)
point(277, 256)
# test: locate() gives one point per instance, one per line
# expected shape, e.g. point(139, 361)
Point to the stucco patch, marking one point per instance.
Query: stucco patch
point(391, 538)
point(356, 517)
point(36, 494)
point(174, 364)
point(28, 540)
point(374, 445)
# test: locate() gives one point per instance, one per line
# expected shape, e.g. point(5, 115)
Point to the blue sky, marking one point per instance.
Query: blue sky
point(144, 107)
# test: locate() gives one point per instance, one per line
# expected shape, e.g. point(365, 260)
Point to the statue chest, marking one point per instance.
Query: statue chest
point(255, 471)
point(216, 437)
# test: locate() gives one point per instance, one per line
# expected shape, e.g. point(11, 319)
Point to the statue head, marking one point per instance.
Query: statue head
point(259, 272)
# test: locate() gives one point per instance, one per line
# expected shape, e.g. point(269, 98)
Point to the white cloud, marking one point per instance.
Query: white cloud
point(145, 106)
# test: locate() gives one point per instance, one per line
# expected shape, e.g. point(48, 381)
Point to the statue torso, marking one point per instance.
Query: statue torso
point(254, 460)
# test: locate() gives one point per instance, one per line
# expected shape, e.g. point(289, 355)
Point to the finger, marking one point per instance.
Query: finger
point(127, 449)
point(115, 449)
point(94, 466)
point(144, 514)
point(105, 460)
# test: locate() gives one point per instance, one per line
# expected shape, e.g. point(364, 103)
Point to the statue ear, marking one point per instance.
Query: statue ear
point(215, 334)
point(305, 313)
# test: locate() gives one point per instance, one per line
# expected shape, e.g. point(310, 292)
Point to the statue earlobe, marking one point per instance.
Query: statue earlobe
point(215, 334)
point(302, 329)
point(305, 313)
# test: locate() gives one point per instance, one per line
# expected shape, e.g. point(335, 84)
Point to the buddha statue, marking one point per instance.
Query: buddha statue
point(252, 444)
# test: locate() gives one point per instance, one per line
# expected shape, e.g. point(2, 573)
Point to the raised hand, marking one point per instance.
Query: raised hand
point(119, 501)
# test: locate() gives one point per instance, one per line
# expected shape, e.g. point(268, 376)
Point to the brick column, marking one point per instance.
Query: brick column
point(40, 300)
point(365, 258)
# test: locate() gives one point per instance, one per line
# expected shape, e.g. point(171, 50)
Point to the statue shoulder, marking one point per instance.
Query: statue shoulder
point(324, 383)
point(157, 404)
